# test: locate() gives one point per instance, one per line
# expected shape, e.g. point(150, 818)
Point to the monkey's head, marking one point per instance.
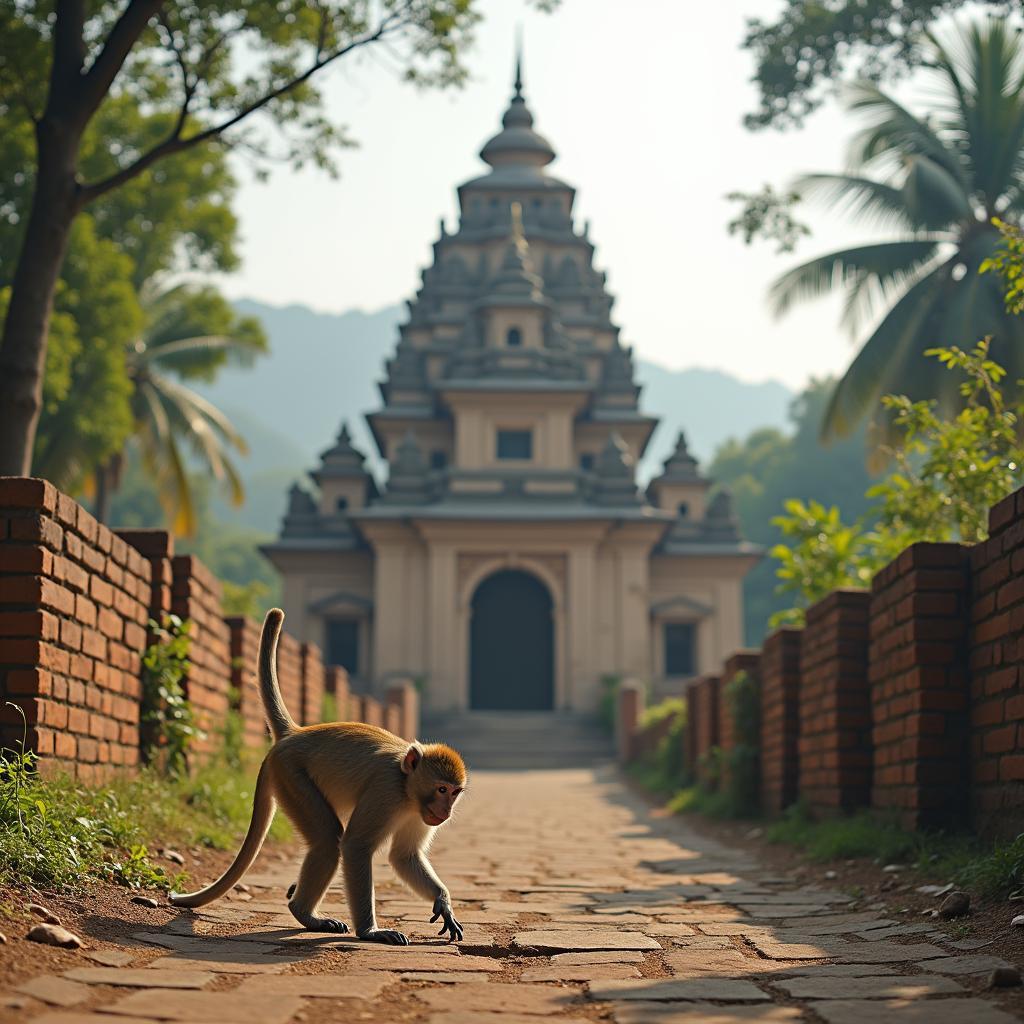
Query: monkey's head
point(435, 777)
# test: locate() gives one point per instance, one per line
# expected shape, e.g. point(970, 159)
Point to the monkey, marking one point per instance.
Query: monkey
point(378, 784)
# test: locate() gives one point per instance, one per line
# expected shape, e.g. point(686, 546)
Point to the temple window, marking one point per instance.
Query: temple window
point(514, 337)
point(341, 504)
point(438, 459)
point(587, 462)
point(680, 648)
point(683, 510)
point(515, 444)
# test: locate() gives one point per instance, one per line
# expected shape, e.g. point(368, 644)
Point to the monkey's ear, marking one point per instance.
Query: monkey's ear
point(412, 758)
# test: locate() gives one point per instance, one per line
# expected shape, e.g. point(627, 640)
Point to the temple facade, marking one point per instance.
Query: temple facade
point(511, 561)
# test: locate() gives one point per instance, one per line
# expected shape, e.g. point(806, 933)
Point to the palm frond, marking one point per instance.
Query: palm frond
point(895, 132)
point(933, 196)
point(883, 264)
point(869, 201)
point(869, 375)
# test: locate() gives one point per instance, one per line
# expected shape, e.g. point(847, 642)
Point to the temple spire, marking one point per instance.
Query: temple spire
point(518, 83)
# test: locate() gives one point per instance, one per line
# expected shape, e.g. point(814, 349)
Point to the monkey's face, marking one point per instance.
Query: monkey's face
point(436, 807)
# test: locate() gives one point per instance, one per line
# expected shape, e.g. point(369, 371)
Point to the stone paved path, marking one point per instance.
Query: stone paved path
point(578, 905)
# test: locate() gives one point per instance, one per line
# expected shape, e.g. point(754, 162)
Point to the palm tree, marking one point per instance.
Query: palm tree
point(170, 416)
point(937, 181)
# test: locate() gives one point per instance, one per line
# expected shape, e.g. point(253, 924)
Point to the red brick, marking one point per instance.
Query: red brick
point(27, 492)
point(26, 558)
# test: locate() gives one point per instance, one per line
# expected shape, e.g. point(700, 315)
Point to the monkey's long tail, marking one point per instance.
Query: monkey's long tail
point(281, 723)
point(263, 806)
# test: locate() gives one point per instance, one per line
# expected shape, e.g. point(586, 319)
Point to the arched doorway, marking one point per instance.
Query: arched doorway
point(511, 644)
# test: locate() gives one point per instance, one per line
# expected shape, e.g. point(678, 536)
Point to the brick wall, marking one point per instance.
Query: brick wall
point(245, 649)
point(996, 654)
point(780, 718)
point(313, 683)
point(835, 714)
point(196, 595)
point(742, 661)
point(404, 696)
point(702, 724)
point(74, 601)
point(919, 693)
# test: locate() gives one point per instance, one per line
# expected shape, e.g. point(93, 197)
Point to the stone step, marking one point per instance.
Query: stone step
point(521, 740)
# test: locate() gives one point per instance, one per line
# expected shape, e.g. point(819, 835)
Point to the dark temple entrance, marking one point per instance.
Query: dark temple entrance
point(511, 645)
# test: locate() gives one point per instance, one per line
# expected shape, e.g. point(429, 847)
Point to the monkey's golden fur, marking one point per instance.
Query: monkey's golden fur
point(381, 787)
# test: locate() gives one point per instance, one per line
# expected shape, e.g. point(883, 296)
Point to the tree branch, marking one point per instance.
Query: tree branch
point(123, 36)
point(175, 144)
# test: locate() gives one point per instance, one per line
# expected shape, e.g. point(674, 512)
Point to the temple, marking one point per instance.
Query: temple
point(511, 561)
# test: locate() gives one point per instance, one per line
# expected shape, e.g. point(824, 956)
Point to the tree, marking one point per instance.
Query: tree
point(938, 179)
point(769, 467)
point(948, 471)
point(811, 47)
point(190, 332)
point(242, 74)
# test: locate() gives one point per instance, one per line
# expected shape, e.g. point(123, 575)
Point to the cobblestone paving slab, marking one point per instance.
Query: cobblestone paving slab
point(140, 977)
point(925, 1011)
point(726, 990)
point(495, 997)
point(977, 964)
point(589, 910)
point(316, 986)
point(207, 1007)
point(703, 1013)
point(48, 988)
point(569, 941)
point(907, 987)
point(86, 1018)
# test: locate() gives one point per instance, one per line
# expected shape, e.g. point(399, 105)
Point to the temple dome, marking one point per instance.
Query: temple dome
point(517, 144)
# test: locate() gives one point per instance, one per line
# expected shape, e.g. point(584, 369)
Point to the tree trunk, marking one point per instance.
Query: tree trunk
point(23, 345)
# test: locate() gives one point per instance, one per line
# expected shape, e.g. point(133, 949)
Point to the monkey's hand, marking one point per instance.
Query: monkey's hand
point(443, 909)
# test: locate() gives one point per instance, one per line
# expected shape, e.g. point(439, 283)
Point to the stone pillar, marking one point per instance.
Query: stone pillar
point(780, 718)
point(245, 647)
point(404, 697)
point(835, 704)
point(627, 719)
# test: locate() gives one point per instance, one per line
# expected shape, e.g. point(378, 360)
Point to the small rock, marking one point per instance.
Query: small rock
point(44, 912)
point(888, 884)
point(241, 887)
point(831, 875)
point(145, 901)
point(931, 913)
point(3, 939)
point(891, 869)
point(54, 935)
point(935, 890)
point(755, 833)
point(13, 1002)
point(174, 857)
point(956, 904)
point(1018, 921)
point(1004, 977)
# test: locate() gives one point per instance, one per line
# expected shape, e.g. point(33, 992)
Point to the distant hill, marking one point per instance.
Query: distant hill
point(324, 368)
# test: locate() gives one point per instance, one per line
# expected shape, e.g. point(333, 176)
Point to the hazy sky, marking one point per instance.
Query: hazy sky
point(643, 103)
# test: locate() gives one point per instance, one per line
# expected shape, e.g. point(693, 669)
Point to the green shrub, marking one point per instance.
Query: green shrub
point(166, 715)
point(663, 770)
point(329, 708)
point(742, 765)
point(57, 832)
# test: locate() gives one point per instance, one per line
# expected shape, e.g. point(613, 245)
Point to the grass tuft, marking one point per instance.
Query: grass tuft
point(58, 832)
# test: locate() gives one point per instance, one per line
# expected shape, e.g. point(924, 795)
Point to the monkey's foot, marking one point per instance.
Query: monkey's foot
point(325, 924)
point(319, 924)
point(386, 935)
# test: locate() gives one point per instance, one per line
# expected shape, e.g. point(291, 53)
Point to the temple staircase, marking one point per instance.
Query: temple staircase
point(521, 740)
